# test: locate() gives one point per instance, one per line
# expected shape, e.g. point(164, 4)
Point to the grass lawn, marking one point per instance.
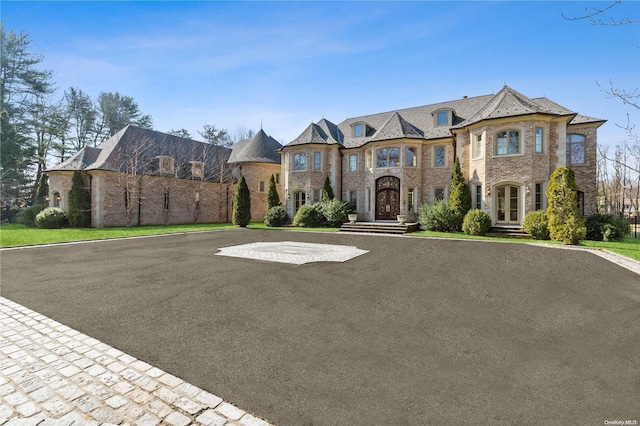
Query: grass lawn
point(19, 235)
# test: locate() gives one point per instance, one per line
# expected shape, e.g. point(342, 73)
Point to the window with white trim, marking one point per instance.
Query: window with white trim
point(410, 157)
point(476, 151)
point(353, 200)
point(317, 161)
point(410, 199)
point(197, 169)
point(261, 186)
point(439, 194)
point(388, 157)
point(479, 196)
point(166, 164)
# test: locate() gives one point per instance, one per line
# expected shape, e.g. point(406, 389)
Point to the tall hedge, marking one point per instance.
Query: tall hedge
point(459, 194)
point(273, 199)
point(79, 214)
point(565, 224)
point(242, 204)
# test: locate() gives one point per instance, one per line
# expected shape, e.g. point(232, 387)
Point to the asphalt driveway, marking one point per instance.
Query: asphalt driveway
point(415, 332)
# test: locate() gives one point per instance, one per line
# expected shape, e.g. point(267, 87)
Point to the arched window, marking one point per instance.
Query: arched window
point(508, 142)
point(575, 149)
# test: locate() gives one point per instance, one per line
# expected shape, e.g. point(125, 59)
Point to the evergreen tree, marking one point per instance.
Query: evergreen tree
point(459, 194)
point(327, 191)
point(273, 199)
point(241, 204)
point(43, 190)
point(79, 203)
point(565, 223)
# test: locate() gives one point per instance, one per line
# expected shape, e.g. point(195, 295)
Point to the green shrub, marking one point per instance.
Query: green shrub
point(605, 227)
point(459, 195)
point(79, 203)
point(565, 224)
point(276, 216)
point(327, 191)
point(335, 212)
point(536, 223)
point(273, 199)
point(51, 218)
point(241, 204)
point(437, 217)
point(27, 216)
point(309, 216)
point(476, 222)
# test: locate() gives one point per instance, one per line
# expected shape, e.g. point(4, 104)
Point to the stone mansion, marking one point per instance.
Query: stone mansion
point(384, 164)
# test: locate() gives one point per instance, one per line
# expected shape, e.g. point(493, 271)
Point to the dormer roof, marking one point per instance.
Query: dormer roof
point(397, 127)
point(325, 132)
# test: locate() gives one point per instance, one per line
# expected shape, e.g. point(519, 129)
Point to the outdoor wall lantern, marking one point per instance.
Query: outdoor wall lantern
point(488, 192)
point(528, 190)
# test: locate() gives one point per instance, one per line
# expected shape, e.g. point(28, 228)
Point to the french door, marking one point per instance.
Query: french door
point(508, 204)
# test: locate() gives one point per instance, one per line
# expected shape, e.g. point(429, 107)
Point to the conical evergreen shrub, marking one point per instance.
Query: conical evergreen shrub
point(241, 204)
point(273, 199)
point(79, 215)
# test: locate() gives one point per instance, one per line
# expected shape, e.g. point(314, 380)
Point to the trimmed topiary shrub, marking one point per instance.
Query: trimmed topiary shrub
point(335, 212)
point(309, 216)
point(437, 217)
point(476, 222)
point(51, 218)
point(565, 224)
point(276, 216)
point(28, 215)
point(605, 227)
point(241, 204)
point(536, 223)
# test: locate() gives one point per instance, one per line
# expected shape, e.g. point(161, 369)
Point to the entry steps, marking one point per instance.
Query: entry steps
point(509, 232)
point(380, 227)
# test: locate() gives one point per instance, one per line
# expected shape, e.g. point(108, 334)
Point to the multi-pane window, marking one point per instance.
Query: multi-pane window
point(538, 196)
point(479, 196)
point(388, 157)
point(317, 157)
point(508, 143)
point(439, 156)
point(477, 147)
point(353, 162)
point(539, 141)
point(300, 162)
point(358, 130)
point(353, 199)
point(438, 194)
point(575, 149)
point(410, 157)
point(299, 199)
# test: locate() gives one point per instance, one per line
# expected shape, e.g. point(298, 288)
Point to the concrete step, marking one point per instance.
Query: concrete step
point(380, 227)
point(508, 232)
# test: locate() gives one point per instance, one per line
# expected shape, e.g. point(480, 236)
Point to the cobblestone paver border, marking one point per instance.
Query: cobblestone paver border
point(51, 374)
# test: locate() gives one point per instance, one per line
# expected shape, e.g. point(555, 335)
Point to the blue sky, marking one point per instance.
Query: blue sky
point(286, 64)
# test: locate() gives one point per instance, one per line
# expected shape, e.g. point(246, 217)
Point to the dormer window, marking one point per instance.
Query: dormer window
point(166, 164)
point(197, 169)
point(443, 117)
point(360, 130)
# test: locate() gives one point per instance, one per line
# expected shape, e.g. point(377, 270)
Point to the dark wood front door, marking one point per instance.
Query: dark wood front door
point(387, 198)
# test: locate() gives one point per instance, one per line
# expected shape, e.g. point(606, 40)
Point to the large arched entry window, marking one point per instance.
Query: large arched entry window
point(387, 198)
point(508, 204)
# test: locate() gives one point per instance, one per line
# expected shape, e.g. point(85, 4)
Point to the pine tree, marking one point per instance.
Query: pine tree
point(79, 203)
point(565, 223)
point(459, 194)
point(327, 191)
point(273, 199)
point(242, 204)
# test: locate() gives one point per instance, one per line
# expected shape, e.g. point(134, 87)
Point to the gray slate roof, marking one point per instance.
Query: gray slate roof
point(418, 122)
point(261, 148)
point(146, 146)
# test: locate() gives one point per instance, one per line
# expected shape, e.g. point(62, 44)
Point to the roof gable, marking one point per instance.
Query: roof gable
point(397, 127)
